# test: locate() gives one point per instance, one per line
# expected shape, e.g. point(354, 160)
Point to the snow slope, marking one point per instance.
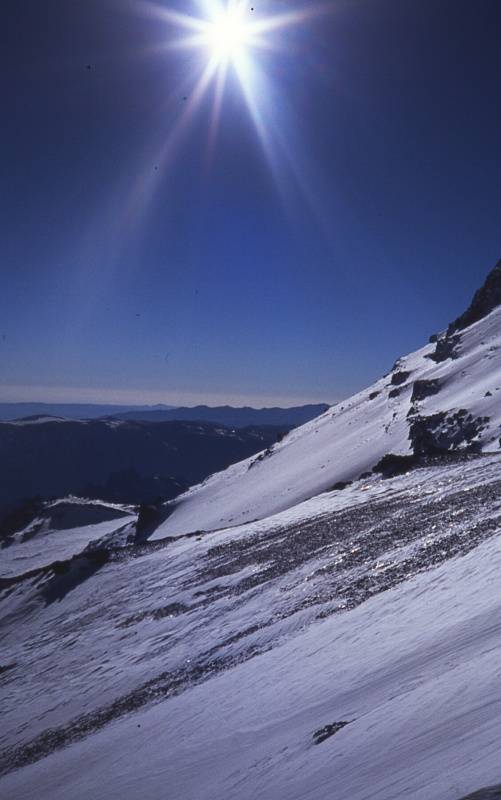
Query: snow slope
point(351, 437)
point(276, 638)
point(201, 667)
point(61, 530)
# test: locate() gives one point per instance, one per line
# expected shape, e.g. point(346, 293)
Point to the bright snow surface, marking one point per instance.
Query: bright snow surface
point(351, 437)
point(200, 667)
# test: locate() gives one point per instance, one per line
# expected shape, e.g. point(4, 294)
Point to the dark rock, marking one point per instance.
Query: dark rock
point(445, 348)
point(327, 731)
point(149, 518)
point(340, 485)
point(392, 464)
point(489, 793)
point(423, 434)
point(488, 394)
point(424, 388)
point(433, 338)
point(265, 454)
point(442, 432)
point(373, 395)
point(485, 300)
point(394, 392)
point(398, 378)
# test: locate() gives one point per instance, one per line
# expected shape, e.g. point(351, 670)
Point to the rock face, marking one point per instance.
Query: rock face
point(492, 793)
point(485, 300)
point(444, 432)
point(446, 346)
point(423, 389)
point(400, 377)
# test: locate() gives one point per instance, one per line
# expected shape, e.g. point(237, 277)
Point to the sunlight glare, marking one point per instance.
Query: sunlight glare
point(228, 35)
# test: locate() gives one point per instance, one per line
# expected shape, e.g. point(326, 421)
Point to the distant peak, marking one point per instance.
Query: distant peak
point(485, 300)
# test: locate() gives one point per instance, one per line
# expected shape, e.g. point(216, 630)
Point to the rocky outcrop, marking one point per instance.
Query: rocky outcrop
point(340, 485)
point(444, 432)
point(400, 377)
point(485, 300)
point(391, 465)
point(424, 388)
point(327, 731)
point(446, 347)
point(491, 793)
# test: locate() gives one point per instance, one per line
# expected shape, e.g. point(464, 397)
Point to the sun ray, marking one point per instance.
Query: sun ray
point(176, 18)
point(216, 109)
point(228, 36)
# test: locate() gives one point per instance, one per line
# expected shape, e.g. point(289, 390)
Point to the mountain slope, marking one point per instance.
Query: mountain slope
point(61, 530)
point(120, 461)
point(444, 397)
point(347, 648)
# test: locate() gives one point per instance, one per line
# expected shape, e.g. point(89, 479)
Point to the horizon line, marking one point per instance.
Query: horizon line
point(63, 395)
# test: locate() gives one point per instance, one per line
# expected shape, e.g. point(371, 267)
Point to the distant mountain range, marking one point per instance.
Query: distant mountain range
point(224, 415)
point(10, 411)
point(227, 415)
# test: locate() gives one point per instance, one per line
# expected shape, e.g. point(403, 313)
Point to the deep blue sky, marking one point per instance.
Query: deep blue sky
point(222, 285)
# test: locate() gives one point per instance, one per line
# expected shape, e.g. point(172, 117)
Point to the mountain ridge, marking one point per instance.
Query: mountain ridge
point(441, 398)
point(232, 416)
point(11, 411)
point(485, 300)
point(346, 644)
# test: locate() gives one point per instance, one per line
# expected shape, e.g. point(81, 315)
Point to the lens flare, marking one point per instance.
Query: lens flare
point(228, 39)
point(229, 34)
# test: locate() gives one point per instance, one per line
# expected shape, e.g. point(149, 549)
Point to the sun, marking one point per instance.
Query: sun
point(228, 31)
point(228, 35)
point(233, 45)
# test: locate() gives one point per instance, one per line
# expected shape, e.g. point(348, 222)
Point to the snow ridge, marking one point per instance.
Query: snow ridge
point(444, 397)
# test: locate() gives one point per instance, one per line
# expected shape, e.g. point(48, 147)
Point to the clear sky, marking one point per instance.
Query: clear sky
point(146, 260)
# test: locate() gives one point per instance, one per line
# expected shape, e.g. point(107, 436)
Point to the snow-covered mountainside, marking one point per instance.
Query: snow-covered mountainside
point(348, 648)
point(446, 396)
point(342, 644)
